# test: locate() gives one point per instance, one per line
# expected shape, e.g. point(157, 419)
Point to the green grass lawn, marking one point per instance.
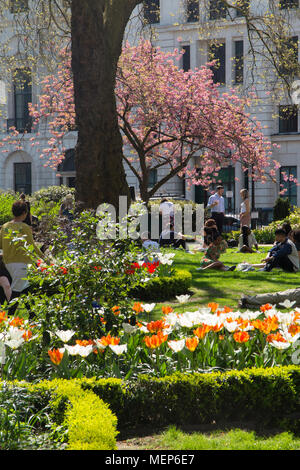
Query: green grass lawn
point(226, 287)
point(236, 439)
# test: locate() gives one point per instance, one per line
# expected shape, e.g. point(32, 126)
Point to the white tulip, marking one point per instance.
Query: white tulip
point(148, 307)
point(128, 328)
point(65, 336)
point(287, 303)
point(118, 348)
point(177, 346)
point(182, 298)
point(2, 353)
point(279, 344)
point(14, 343)
point(78, 350)
point(231, 326)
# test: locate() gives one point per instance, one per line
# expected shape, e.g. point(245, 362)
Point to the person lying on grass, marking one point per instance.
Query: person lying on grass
point(212, 255)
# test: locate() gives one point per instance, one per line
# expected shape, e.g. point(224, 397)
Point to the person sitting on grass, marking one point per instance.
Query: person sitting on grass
point(5, 283)
point(283, 255)
point(247, 240)
point(210, 228)
point(295, 237)
point(212, 255)
point(170, 238)
point(287, 228)
point(150, 247)
point(15, 256)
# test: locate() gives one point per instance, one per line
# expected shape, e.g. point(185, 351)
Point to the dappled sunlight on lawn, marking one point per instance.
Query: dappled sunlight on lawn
point(227, 287)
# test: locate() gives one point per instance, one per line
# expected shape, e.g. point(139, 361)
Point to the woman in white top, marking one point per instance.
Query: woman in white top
point(247, 240)
point(245, 213)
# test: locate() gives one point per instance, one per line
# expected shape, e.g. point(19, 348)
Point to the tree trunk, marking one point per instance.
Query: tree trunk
point(97, 32)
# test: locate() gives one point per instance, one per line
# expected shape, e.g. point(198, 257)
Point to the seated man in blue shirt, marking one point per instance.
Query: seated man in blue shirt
point(283, 254)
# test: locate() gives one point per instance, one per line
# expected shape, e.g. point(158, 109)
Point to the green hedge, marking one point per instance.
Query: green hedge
point(87, 420)
point(268, 397)
point(51, 193)
point(6, 201)
point(164, 288)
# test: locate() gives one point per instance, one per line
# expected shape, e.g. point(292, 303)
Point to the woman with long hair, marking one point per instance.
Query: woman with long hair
point(245, 212)
point(247, 240)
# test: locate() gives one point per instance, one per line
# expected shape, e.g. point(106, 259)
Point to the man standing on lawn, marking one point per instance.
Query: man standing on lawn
point(217, 206)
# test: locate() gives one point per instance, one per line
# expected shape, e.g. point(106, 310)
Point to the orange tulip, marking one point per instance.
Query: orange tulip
point(213, 306)
point(243, 323)
point(106, 340)
point(55, 356)
point(264, 308)
point(27, 335)
point(267, 325)
point(276, 337)
point(201, 331)
point(155, 341)
point(166, 309)
point(227, 309)
point(3, 316)
point(294, 329)
point(116, 310)
point(17, 321)
point(155, 326)
point(241, 336)
point(192, 343)
point(84, 342)
point(137, 307)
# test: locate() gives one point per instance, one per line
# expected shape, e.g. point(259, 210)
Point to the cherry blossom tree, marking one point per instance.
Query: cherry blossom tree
point(167, 117)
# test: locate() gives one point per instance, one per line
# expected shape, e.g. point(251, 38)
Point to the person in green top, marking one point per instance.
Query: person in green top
point(15, 256)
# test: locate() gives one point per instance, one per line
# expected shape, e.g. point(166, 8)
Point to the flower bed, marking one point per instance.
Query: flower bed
point(187, 342)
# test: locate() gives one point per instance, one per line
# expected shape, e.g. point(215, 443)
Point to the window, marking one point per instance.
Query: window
point(217, 52)
point(288, 119)
point(186, 58)
point(286, 4)
point(242, 8)
point(66, 170)
point(152, 178)
point(290, 186)
point(288, 57)
point(22, 177)
point(238, 61)
point(217, 10)
point(17, 6)
point(152, 11)
point(22, 97)
point(226, 177)
point(192, 11)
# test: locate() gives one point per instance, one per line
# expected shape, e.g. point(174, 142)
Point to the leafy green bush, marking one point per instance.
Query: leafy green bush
point(163, 288)
point(51, 193)
point(282, 208)
point(79, 417)
point(266, 235)
point(25, 421)
point(6, 201)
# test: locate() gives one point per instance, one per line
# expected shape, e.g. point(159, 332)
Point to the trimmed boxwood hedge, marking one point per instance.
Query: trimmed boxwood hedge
point(269, 397)
point(164, 288)
point(89, 423)
point(88, 407)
